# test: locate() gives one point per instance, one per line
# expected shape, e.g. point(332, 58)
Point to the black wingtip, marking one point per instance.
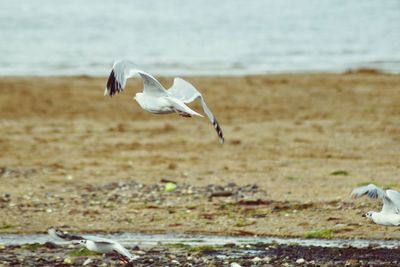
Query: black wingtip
point(63, 235)
point(113, 86)
point(219, 131)
point(373, 194)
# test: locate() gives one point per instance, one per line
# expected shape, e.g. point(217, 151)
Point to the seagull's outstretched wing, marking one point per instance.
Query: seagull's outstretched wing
point(374, 192)
point(123, 70)
point(58, 234)
point(395, 197)
point(187, 93)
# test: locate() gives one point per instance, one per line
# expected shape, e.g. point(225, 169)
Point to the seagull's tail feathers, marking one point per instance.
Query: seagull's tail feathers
point(125, 254)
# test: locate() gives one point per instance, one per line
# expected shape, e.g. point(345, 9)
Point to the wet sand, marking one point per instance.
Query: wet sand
point(295, 147)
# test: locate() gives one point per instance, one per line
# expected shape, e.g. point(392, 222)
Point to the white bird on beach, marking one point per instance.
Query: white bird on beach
point(155, 98)
point(390, 213)
point(96, 244)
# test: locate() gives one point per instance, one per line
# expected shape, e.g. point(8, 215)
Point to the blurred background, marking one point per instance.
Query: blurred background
point(201, 37)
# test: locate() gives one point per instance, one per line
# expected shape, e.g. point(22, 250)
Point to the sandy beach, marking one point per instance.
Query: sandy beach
point(295, 147)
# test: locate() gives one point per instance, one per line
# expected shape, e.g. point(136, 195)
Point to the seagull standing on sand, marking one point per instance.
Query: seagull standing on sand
point(155, 98)
point(390, 213)
point(96, 244)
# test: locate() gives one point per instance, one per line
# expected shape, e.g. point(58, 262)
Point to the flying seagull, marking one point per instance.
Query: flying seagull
point(390, 213)
point(155, 98)
point(96, 244)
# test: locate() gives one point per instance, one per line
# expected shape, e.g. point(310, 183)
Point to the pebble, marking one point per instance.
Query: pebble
point(175, 262)
point(67, 261)
point(88, 261)
point(267, 259)
point(160, 256)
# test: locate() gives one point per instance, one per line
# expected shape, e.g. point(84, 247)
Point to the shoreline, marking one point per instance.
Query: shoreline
point(172, 74)
point(204, 238)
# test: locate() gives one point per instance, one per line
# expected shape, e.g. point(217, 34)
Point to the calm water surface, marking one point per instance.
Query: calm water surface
point(50, 37)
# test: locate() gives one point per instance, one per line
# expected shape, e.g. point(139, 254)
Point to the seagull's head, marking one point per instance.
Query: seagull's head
point(82, 242)
point(368, 215)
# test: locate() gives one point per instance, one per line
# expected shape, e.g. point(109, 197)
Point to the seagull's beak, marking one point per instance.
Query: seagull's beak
point(364, 215)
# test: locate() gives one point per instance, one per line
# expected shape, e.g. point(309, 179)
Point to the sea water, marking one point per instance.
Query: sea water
point(151, 240)
point(198, 37)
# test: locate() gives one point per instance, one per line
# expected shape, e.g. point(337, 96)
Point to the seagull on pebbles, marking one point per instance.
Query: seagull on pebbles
point(155, 98)
point(96, 244)
point(390, 213)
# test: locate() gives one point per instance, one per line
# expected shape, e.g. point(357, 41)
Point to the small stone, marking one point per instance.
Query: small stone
point(87, 261)
point(175, 262)
point(300, 261)
point(170, 187)
point(351, 262)
point(255, 259)
point(267, 259)
point(234, 264)
point(67, 261)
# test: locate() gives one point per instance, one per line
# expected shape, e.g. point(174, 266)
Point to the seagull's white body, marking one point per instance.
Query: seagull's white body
point(157, 105)
point(155, 98)
point(102, 245)
point(390, 213)
point(385, 219)
point(96, 244)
